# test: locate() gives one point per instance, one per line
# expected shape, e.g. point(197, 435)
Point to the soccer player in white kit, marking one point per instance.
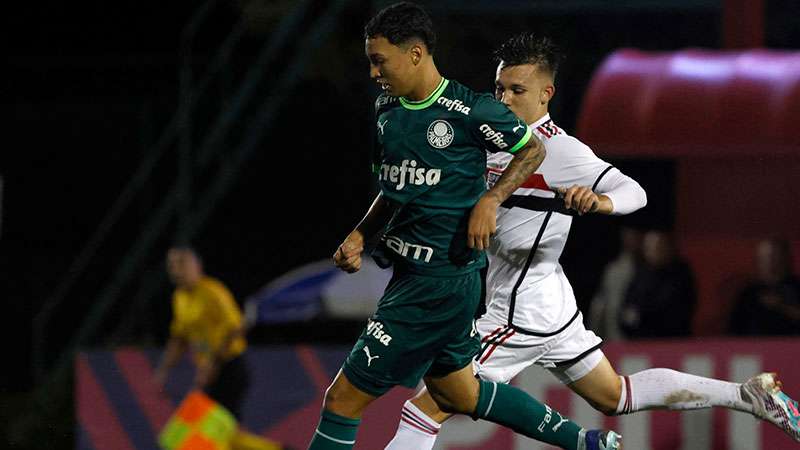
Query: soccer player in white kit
point(532, 316)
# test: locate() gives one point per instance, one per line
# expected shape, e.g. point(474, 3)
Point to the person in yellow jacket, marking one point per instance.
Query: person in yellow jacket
point(208, 323)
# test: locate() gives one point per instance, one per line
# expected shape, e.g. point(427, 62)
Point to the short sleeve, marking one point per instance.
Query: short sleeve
point(492, 123)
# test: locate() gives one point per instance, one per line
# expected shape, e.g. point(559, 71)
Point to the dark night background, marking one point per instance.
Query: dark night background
point(90, 86)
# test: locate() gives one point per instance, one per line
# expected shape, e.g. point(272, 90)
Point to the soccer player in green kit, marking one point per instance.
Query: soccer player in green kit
point(434, 218)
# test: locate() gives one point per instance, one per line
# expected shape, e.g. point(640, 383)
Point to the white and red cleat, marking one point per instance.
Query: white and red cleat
point(771, 404)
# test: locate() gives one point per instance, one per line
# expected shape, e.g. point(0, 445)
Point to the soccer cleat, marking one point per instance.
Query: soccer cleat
point(602, 440)
point(771, 404)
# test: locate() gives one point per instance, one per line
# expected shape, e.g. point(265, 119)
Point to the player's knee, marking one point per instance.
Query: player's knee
point(338, 398)
point(333, 396)
point(454, 404)
point(608, 408)
point(607, 400)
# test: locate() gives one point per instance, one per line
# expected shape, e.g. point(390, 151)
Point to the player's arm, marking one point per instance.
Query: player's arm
point(499, 129)
point(348, 255)
point(176, 347)
point(612, 192)
point(230, 318)
point(205, 374)
point(482, 222)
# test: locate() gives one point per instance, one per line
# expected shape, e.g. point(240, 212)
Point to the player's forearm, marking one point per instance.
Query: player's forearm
point(377, 216)
point(172, 354)
point(624, 195)
point(523, 165)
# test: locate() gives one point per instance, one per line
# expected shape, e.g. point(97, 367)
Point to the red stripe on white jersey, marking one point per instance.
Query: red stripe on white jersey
point(487, 337)
point(495, 345)
point(535, 181)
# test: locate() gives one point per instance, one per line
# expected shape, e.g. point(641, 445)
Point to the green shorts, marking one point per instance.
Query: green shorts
point(423, 326)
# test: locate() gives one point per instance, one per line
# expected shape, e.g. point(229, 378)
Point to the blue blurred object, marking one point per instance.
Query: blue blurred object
point(316, 289)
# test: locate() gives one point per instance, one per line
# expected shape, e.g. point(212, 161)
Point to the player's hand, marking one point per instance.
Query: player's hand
point(348, 256)
point(204, 375)
point(580, 199)
point(482, 222)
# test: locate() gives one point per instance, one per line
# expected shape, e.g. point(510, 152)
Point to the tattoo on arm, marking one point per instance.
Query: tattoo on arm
point(524, 164)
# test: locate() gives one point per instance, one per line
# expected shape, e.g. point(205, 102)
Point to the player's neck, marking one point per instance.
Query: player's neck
point(538, 116)
point(429, 81)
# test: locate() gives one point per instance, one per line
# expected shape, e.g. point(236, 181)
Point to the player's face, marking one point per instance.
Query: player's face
point(390, 66)
point(524, 89)
point(183, 267)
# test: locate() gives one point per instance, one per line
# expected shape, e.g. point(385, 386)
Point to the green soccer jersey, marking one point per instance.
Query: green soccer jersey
point(430, 163)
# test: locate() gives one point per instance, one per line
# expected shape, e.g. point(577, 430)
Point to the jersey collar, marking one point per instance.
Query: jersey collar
point(422, 104)
point(541, 121)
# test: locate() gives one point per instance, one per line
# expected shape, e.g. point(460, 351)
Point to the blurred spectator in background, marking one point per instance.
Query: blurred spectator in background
point(661, 298)
point(618, 274)
point(770, 304)
point(207, 321)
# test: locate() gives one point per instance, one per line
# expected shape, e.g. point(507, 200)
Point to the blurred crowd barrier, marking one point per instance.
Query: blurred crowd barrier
point(118, 406)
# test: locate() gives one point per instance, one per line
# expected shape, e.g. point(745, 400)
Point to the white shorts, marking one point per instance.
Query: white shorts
point(569, 355)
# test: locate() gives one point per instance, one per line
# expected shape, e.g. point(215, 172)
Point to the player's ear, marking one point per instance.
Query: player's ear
point(416, 53)
point(547, 93)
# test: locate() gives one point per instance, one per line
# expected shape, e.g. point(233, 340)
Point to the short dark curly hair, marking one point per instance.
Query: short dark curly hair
point(400, 23)
point(528, 48)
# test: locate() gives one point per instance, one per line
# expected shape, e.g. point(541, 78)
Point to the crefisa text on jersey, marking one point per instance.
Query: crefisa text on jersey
point(408, 172)
point(454, 105)
point(375, 329)
point(495, 137)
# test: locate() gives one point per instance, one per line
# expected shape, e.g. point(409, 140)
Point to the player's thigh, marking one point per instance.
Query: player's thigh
point(422, 324)
point(574, 353)
point(601, 387)
point(456, 392)
point(457, 334)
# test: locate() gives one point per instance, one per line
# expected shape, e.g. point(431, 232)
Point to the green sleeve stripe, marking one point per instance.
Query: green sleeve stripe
point(522, 141)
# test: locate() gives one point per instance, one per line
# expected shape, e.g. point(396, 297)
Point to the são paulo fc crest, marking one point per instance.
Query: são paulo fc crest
point(440, 134)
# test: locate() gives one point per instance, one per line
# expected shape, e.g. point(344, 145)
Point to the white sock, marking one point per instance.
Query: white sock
point(670, 389)
point(416, 430)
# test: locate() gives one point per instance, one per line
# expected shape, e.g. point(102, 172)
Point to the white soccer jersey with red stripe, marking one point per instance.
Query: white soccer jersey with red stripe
point(525, 283)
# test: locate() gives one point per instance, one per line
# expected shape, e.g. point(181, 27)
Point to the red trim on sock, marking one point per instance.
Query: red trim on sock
point(628, 400)
point(425, 423)
point(409, 422)
point(494, 346)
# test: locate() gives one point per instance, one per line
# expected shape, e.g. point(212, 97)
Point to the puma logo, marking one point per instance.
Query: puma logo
point(381, 125)
point(369, 357)
point(520, 125)
point(558, 425)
